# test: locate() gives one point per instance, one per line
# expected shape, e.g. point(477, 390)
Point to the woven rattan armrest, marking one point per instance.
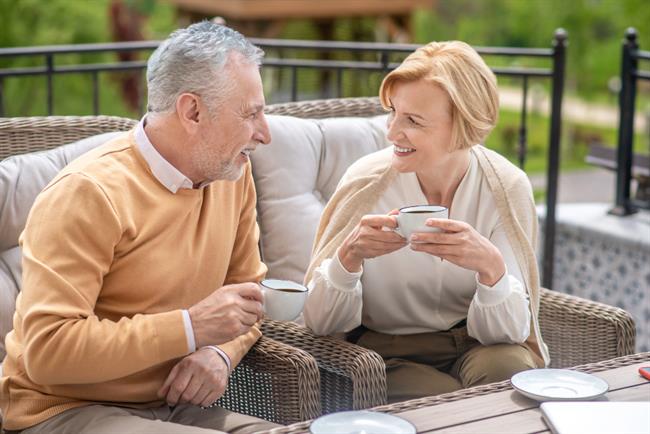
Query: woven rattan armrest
point(276, 382)
point(351, 377)
point(579, 331)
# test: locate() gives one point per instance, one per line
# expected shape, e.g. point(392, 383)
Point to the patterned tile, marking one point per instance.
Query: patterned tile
point(607, 269)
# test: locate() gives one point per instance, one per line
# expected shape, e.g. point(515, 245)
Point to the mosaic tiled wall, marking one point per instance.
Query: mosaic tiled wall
point(604, 268)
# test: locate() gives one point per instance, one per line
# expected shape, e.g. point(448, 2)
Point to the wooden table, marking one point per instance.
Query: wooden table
point(497, 408)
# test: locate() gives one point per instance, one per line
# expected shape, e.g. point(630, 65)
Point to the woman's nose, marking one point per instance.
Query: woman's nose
point(393, 129)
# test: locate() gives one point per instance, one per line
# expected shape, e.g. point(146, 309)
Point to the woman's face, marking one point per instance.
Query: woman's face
point(419, 126)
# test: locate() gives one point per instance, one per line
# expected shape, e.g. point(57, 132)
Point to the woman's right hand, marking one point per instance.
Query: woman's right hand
point(369, 240)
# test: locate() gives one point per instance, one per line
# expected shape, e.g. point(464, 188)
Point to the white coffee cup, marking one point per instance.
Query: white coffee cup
point(283, 299)
point(413, 218)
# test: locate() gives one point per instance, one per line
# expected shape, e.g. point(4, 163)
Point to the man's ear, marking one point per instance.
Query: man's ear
point(187, 109)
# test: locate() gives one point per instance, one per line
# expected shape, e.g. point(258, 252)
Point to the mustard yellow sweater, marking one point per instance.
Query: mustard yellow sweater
point(110, 257)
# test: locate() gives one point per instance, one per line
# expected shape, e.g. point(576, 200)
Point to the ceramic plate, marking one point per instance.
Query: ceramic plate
point(558, 385)
point(366, 422)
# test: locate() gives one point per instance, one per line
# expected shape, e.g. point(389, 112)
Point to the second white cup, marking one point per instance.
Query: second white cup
point(413, 218)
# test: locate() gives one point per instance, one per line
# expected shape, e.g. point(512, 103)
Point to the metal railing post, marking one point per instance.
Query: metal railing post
point(629, 64)
point(523, 140)
point(95, 78)
point(49, 65)
point(2, 98)
point(559, 63)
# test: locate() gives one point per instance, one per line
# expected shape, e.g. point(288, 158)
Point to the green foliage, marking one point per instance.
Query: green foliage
point(576, 139)
point(595, 28)
point(35, 23)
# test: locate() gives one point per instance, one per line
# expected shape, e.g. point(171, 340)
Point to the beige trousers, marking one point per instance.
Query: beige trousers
point(182, 419)
point(433, 363)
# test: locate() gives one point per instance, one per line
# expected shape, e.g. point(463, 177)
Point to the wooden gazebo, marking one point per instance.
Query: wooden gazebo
point(267, 18)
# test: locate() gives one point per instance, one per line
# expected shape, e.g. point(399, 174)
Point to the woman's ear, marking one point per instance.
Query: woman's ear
point(187, 109)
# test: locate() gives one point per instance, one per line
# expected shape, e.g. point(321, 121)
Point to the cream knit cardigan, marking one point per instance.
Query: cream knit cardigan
point(367, 179)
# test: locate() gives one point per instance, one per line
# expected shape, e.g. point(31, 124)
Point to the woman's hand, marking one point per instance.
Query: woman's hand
point(462, 245)
point(369, 240)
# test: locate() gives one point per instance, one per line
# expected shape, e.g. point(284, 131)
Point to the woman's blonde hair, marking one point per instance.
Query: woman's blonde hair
point(459, 70)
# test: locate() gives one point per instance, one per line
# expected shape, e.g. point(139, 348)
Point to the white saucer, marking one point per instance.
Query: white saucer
point(559, 385)
point(361, 422)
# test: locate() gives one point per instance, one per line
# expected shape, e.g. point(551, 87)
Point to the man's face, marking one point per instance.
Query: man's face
point(231, 131)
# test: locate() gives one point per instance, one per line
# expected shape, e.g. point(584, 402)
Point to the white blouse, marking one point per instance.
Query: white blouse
point(407, 292)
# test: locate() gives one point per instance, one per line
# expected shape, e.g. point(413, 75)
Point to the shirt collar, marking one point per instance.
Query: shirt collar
point(162, 170)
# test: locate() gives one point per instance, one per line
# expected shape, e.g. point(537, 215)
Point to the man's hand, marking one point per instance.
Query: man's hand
point(228, 312)
point(200, 379)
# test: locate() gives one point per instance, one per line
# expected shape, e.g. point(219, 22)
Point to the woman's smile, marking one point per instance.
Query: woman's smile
point(402, 152)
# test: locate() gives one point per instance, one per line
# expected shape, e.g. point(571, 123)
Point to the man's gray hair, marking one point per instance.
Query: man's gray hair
point(192, 60)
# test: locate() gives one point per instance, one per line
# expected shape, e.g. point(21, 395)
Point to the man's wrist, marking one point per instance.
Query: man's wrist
point(222, 354)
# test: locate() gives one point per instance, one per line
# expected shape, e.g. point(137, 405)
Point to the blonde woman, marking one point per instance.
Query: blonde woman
point(445, 310)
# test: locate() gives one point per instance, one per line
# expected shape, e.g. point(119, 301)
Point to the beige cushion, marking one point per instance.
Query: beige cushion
point(9, 287)
point(22, 177)
point(297, 174)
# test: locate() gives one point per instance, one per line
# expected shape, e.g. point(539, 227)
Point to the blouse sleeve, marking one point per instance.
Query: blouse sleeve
point(334, 301)
point(500, 314)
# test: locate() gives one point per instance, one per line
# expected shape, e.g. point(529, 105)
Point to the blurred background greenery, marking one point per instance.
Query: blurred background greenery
point(595, 29)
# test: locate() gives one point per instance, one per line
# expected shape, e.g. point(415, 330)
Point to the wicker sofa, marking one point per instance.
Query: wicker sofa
point(290, 374)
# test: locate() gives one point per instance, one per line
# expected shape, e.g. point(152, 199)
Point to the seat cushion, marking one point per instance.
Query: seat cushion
point(22, 177)
point(297, 174)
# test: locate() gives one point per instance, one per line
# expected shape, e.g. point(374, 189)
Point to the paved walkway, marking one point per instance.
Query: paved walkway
point(589, 185)
point(573, 108)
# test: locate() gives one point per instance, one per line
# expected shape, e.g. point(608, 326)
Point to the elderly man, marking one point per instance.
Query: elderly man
point(139, 259)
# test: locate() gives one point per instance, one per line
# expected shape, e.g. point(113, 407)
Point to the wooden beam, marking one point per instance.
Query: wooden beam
point(287, 9)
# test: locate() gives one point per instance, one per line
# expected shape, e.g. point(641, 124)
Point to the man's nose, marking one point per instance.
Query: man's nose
point(263, 134)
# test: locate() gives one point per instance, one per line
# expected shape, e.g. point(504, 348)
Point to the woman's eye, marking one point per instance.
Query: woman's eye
point(411, 120)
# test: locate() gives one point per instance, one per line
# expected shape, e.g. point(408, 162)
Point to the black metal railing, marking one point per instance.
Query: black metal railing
point(630, 74)
point(383, 58)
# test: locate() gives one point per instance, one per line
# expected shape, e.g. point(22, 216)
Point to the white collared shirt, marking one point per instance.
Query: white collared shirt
point(169, 176)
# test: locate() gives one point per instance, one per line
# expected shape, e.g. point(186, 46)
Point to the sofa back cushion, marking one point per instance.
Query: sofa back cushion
point(297, 174)
point(22, 177)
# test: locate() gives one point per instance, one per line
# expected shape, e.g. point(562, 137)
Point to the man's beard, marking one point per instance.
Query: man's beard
point(226, 170)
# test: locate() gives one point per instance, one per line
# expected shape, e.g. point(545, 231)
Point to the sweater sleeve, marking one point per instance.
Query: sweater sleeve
point(68, 246)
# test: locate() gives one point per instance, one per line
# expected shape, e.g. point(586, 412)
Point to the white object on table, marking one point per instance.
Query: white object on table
point(597, 417)
point(361, 422)
point(558, 385)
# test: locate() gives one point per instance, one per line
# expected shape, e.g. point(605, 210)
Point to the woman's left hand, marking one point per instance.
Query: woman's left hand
point(462, 245)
